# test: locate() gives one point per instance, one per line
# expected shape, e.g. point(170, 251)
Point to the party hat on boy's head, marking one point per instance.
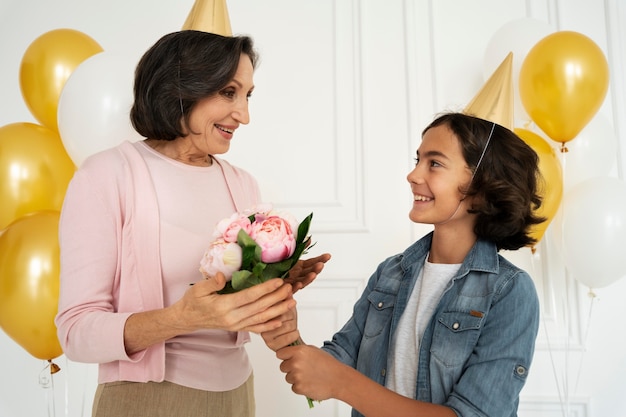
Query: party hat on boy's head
point(494, 102)
point(209, 16)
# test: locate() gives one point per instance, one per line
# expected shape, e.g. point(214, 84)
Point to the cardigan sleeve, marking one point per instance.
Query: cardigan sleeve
point(89, 329)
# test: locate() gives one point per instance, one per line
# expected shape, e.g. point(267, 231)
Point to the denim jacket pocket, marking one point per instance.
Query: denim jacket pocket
point(456, 333)
point(379, 314)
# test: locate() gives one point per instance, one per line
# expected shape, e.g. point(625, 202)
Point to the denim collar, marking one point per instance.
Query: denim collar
point(483, 256)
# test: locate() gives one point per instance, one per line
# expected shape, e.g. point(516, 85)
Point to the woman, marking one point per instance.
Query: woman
point(448, 327)
point(135, 223)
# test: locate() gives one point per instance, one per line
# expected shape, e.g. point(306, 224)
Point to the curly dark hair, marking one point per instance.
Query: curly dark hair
point(506, 184)
point(179, 70)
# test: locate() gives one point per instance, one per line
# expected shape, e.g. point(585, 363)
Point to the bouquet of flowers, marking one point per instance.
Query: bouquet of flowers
point(254, 246)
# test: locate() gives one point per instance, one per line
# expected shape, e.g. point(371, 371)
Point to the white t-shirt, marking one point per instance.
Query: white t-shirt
point(429, 287)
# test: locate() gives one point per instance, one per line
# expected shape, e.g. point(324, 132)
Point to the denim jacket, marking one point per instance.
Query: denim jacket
point(475, 353)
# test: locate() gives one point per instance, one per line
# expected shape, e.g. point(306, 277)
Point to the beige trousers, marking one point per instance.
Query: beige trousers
point(165, 399)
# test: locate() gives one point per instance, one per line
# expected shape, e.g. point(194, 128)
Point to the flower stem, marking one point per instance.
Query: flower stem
point(309, 400)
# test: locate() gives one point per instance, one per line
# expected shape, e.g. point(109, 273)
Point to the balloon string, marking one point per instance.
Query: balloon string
point(563, 165)
point(553, 363)
point(564, 181)
point(563, 386)
point(566, 311)
point(67, 390)
point(46, 381)
point(568, 347)
point(535, 260)
point(72, 374)
point(592, 295)
point(84, 398)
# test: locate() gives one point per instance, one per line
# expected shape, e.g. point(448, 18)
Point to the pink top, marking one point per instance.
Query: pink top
point(133, 228)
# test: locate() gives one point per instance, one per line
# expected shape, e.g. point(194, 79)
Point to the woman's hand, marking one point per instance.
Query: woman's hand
point(256, 309)
point(305, 271)
point(284, 335)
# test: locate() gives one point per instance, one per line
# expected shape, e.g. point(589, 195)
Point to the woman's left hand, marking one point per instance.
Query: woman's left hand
point(305, 271)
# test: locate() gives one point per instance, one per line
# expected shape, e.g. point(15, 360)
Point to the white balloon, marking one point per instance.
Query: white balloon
point(94, 105)
point(517, 36)
point(594, 231)
point(592, 153)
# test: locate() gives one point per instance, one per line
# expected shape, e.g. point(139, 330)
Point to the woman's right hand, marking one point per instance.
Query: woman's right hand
point(256, 309)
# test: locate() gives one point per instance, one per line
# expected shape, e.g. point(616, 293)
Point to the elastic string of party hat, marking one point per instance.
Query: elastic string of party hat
point(480, 160)
point(482, 155)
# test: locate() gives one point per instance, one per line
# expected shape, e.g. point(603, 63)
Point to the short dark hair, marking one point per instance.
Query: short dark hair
point(179, 70)
point(506, 183)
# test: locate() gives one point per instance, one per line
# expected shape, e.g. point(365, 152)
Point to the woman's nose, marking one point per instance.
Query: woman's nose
point(241, 112)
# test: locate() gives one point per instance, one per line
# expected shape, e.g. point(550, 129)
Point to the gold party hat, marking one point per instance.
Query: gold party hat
point(494, 102)
point(209, 16)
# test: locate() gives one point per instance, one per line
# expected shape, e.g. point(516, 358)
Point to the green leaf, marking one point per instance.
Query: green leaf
point(276, 270)
point(250, 251)
point(240, 279)
point(303, 229)
point(257, 270)
point(300, 248)
point(244, 239)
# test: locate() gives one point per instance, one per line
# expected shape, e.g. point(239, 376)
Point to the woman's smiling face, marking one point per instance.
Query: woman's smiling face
point(213, 121)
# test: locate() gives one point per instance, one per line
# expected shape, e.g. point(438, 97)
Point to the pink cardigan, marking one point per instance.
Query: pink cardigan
point(110, 268)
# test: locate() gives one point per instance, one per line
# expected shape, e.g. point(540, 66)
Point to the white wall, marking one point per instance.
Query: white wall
point(345, 87)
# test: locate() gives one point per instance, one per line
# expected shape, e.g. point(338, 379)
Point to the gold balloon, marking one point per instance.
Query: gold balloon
point(29, 283)
point(551, 185)
point(47, 64)
point(563, 82)
point(35, 170)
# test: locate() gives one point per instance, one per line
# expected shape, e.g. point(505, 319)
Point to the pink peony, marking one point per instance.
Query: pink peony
point(261, 209)
point(287, 216)
point(222, 256)
point(228, 229)
point(275, 237)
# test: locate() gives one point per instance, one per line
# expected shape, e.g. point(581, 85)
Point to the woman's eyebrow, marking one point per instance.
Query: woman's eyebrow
point(239, 84)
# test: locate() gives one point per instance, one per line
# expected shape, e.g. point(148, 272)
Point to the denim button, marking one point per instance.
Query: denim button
point(455, 326)
point(520, 370)
point(380, 305)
